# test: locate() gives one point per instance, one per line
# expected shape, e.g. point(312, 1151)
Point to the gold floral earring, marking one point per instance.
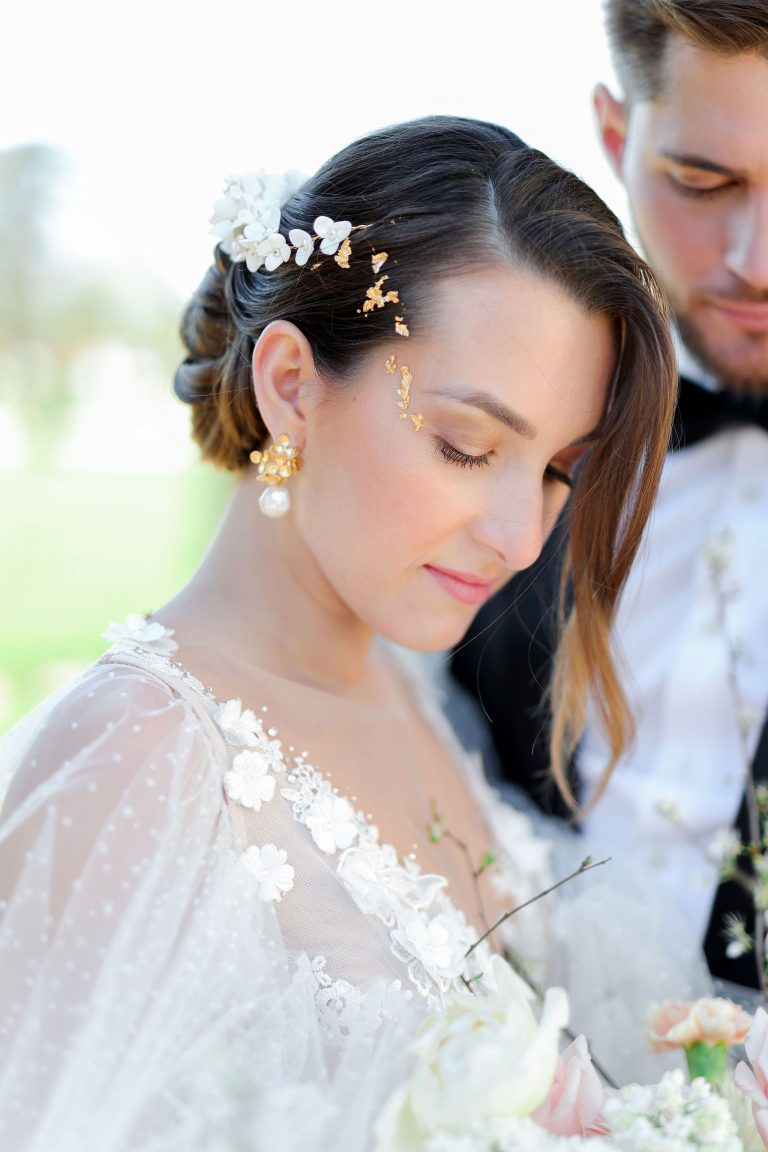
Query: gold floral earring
point(275, 465)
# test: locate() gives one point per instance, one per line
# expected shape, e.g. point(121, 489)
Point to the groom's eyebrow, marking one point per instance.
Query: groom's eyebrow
point(492, 407)
point(687, 160)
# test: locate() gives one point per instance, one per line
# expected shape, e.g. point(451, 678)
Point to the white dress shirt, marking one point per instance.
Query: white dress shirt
point(688, 759)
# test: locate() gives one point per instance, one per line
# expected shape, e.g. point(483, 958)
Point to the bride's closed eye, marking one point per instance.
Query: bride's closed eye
point(456, 456)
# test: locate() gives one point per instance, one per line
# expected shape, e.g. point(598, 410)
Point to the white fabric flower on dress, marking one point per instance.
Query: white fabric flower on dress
point(248, 781)
point(377, 882)
point(440, 942)
point(303, 243)
point(269, 865)
point(137, 631)
point(331, 820)
point(332, 233)
point(241, 727)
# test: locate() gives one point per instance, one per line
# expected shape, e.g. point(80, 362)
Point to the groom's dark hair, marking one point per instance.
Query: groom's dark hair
point(639, 31)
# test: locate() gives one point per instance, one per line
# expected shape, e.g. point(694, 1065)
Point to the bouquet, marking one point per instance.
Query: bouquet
point(488, 1076)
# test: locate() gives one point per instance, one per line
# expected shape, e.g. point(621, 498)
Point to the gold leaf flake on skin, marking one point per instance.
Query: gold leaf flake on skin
point(343, 254)
point(375, 298)
point(391, 365)
point(404, 391)
point(418, 421)
point(378, 260)
point(400, 326)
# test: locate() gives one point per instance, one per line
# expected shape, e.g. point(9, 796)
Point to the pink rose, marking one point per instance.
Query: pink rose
point(680, 1023)
point(576, 1096)
point(753, 1082)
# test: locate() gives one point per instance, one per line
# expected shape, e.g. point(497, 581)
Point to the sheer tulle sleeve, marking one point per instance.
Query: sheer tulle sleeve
point(147, 1001)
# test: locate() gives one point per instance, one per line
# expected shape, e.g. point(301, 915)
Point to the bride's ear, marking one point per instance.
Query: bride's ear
point(282, 364)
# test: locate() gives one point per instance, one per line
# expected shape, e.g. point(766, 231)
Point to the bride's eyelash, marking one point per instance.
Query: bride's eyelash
point(462, 459)
point(553, 473)
point(466, 460)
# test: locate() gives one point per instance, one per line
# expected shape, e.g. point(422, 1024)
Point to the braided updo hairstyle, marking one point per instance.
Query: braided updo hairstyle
point(443, 196)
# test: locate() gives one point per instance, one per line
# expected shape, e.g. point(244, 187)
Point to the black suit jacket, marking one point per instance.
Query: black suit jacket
point(505, 660)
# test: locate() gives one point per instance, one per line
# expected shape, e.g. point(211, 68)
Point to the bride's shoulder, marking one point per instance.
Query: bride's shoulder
point(130, 712)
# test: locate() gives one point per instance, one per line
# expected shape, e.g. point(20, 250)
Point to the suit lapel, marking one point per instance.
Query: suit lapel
point(732, 896)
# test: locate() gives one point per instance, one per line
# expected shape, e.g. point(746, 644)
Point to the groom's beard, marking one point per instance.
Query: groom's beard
point(751, 380)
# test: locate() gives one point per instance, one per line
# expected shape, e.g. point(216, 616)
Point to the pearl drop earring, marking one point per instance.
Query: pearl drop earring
point(275, 465)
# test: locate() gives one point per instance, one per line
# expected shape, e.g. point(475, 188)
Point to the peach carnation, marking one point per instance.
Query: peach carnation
point(710, 1020)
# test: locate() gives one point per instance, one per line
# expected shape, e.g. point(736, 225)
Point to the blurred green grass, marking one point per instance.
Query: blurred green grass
point(78, 550)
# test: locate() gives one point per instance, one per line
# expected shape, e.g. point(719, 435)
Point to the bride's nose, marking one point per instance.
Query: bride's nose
point(515, 529)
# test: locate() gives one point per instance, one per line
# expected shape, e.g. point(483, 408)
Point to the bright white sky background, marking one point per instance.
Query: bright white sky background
point(156, 101)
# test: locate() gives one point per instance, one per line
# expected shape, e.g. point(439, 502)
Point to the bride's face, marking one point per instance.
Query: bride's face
point(414, 530)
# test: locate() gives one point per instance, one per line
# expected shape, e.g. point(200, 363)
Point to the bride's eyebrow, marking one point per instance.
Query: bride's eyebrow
point(491, 406)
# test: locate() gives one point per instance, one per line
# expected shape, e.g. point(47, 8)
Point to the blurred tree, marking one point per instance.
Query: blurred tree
point(29, 177)
point(50, 311)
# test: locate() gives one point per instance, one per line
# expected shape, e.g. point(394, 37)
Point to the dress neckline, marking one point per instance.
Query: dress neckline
point(428, 931)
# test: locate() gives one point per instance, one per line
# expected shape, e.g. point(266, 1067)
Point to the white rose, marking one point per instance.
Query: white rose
point(481, 1057)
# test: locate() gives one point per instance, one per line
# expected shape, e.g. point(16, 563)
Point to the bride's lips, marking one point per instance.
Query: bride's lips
point(463, 586)
point(750, 316)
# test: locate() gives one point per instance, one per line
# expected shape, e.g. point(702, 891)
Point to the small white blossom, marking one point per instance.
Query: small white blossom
point(248, 781)
point(331, 821)
point(269, 866)
point(724, 846)
point(267, 221)
point(139, 632)
point(247, 213)
point(513, 1134)
point(303, 243)
point(669, 809)
point(332, 233)
point(240, 727)
point(671, 1116)
point(718, 553)
point(274, 251)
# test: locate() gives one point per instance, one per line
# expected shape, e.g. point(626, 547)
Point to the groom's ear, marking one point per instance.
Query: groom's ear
point(612, 127)
point(282, 365)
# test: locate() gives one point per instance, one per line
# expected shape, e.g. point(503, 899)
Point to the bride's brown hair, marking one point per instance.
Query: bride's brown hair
point(444, 195)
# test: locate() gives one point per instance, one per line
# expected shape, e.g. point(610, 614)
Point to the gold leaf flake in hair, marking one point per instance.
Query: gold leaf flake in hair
point(418, 421)
point(378, 260)
point(343, 254)
point(400, 326)
point(391, 365)
point(375, 298)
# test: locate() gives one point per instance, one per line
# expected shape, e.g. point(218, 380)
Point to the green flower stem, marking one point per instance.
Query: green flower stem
point(707, 1060)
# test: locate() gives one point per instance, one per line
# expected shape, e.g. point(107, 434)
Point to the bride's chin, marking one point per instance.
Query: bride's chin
point(423, 638)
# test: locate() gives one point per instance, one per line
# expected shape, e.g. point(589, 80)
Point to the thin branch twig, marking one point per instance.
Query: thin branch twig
point(585, 866)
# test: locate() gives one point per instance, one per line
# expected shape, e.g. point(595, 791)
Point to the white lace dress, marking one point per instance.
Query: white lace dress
point(203, 945)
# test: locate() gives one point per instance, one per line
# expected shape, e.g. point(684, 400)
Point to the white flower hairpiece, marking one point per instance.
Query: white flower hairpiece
point(246, 220)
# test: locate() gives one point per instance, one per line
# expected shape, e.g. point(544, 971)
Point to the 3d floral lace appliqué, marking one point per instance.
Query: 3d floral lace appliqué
point(342, 1007)
point(428, 933)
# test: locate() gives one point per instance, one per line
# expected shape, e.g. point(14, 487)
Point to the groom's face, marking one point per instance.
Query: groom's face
point(694, 161)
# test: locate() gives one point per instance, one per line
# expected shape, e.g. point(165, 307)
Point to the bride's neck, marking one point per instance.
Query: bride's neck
point(260, 596)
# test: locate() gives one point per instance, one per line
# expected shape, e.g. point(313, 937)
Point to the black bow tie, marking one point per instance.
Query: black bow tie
point(700, 413)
